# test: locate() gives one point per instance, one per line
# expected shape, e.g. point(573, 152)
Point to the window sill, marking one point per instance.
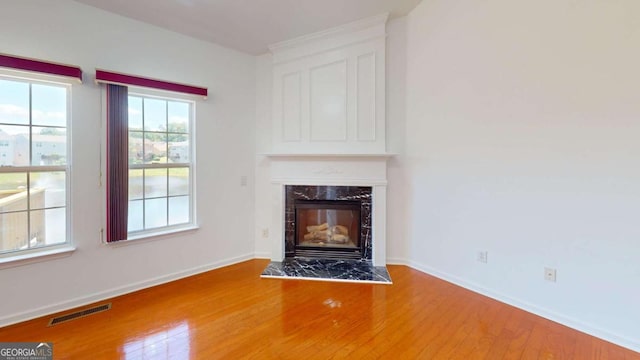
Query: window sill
point(150, 236)
point(45, 254)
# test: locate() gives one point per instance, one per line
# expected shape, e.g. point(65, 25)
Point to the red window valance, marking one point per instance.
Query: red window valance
point(45, 67)
point(109, 77)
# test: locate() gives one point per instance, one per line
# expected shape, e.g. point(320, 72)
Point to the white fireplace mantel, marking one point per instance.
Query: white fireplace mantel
point(327, 170)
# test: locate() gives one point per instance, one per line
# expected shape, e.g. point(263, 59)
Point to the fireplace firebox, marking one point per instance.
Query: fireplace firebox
point(328, 228)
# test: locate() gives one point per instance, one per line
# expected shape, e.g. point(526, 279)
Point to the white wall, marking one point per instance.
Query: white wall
point(264, 140)
point(68, 32)
point(522, 140)
point(397, 244)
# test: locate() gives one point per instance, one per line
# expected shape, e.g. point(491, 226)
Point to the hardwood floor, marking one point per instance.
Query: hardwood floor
point(231, 313)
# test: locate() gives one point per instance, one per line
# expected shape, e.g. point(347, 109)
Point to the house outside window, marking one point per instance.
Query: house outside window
point(34, 206)
point(161, 167)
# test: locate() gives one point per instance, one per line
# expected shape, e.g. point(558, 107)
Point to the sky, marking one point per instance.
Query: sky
point(49, 105)
point(49, 108)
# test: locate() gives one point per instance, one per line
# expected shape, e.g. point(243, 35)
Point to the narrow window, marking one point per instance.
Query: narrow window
point(34, 170)
point(160, 163)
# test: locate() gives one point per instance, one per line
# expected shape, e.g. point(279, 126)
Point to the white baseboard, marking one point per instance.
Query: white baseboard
point(397, 261)
point(107, 294)
point(262, 255)
point(623, 341)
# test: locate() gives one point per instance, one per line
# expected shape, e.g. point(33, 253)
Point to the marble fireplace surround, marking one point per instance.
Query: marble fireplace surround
point(361, 194)
point(361, 170)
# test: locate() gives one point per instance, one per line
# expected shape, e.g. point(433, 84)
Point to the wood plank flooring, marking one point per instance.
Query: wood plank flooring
point(231, 313)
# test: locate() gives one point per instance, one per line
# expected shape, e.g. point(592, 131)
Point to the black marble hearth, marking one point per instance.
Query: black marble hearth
point(328, 270)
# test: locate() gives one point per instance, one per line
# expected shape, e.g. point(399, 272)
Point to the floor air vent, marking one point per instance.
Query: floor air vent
point(79, 314)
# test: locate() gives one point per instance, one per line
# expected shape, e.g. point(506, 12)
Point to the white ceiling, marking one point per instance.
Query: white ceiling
point(251, 25)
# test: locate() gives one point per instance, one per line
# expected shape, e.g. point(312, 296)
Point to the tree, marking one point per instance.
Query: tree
point(51, 131)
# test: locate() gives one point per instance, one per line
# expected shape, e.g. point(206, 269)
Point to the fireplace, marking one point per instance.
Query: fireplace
point(361, 178)
point(332, 222)
point(328, 228)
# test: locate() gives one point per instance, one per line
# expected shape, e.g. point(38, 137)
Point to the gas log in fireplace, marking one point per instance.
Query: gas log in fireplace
point(331, 222)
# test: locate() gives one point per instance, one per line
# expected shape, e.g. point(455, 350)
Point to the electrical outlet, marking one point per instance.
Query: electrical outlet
point(243, 180)
point(483, 256)
point(550, 274)
point(265, 233)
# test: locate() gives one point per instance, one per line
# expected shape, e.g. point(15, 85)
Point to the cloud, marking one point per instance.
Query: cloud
point(49, 117)
point(12, 114)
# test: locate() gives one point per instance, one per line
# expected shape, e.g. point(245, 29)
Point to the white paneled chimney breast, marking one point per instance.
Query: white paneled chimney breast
point(328, 121)
point(329, 91)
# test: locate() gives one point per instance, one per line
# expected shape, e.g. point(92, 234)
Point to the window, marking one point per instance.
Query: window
point(33, 183)
point(160, 163)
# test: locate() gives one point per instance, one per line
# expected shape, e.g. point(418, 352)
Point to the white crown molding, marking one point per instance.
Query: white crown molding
point(335, 31)
point(359, 31)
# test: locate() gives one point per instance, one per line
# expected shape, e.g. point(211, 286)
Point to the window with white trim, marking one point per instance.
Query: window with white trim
point(160, 164)
point(34, 171)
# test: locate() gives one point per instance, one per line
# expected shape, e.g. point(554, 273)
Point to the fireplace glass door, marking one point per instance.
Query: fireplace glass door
point(327, 225)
